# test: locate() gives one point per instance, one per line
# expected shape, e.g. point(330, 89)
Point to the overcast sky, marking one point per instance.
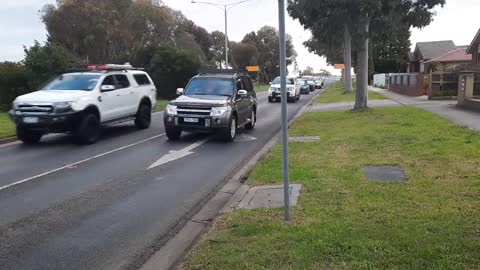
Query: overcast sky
point(20, 24)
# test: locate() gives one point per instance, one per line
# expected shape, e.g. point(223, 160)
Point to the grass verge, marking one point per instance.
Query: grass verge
point(342, 220)
point(7, 128)
point(262, 87)
point(162, 104)
point(336, 93)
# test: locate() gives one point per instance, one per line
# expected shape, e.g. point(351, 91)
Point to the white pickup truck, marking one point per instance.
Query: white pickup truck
point(82, 101)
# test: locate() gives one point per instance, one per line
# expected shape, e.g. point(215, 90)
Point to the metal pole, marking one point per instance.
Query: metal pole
point(226, 38)
point(283, 86)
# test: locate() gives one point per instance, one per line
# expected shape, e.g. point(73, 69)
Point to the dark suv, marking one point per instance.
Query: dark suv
point(217, 101)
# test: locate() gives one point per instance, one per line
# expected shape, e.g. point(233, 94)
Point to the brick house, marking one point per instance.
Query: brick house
point(425, 51)
point(474, 49)
point(449, 61)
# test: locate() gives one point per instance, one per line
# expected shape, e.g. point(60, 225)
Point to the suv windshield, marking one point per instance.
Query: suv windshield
point(210, 86)
point(85, 82)
point(277, 81)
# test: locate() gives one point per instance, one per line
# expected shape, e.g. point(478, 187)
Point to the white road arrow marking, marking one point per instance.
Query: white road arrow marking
point(244, 138)
point(177, 154)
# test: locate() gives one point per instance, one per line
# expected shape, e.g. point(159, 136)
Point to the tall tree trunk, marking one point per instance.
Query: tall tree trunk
point(348, 60)
point(361, 97)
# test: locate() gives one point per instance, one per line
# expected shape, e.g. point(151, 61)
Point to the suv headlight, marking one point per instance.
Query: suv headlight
point(62, 107)
point(219, 111)
point(171, 109)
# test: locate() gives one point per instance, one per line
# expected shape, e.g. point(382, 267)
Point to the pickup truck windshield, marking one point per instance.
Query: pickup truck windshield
point(85, 82)
point(210, 86)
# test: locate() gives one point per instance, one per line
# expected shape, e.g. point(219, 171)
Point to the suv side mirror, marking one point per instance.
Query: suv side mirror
point(270, 83)
point(107, 88)
point(179, 91)
point(242, 92)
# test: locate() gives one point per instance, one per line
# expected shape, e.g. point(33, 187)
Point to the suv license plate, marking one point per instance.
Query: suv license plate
point(190, 120)
point(30, 120)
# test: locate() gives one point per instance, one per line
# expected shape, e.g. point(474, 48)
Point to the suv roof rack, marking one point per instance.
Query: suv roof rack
point(222, 71)
point(106, 68)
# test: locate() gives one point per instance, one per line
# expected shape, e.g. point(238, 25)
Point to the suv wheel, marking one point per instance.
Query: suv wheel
point(143, 117)
point(89, 129)
point(173, 133)
point(253, 120)
point(28, 137)
point(229, 133)
point(270, 99)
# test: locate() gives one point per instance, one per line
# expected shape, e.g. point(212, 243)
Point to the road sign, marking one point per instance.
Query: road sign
point(253, 68)
point(339, 66)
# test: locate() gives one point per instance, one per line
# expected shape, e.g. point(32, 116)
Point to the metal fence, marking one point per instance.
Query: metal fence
point(8, 93)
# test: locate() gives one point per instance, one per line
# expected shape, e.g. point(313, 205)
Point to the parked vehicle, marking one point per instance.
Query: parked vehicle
point(293, 90)
point(82, 101)
point(304, 87)
point(217, 101)
point(310, 81)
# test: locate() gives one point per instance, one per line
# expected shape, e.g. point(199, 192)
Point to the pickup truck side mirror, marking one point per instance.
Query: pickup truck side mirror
point(107, 88)
point(242, 93)
point(179, 91)
point(270, 83)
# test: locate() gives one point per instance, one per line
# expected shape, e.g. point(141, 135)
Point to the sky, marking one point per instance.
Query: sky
point(20, 24)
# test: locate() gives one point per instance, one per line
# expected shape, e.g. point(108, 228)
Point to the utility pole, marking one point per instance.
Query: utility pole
point(283, 87)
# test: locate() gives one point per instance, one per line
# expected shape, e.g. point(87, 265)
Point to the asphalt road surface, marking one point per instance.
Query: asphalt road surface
point(113, 204)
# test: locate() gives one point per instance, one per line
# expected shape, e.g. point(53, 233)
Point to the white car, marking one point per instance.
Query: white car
point(293, 90)
point(81, 101)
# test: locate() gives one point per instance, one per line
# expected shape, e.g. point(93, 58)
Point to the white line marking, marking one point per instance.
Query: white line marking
point(79, 162)
point(174, 155)
point(245, 138)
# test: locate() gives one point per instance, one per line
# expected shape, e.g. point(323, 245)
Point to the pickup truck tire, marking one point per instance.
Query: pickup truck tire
point(253, 120)
point(89, 129)
point(229, 133)
point(143, 117)
point(270, 99)
point(173, 133)
point(28, 137)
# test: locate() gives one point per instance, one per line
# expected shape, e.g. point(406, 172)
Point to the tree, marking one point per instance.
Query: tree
point(307, 72)
point(170, 68)
point(217, 50)
point(243, 54)
point(13, 82)
point(363, 18)
point(42, 62)
point(266, 41)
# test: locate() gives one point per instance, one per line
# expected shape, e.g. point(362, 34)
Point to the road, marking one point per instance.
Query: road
point(108, 205)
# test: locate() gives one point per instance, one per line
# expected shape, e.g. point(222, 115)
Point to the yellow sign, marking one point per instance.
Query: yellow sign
point(339, 66)
point(253, 68)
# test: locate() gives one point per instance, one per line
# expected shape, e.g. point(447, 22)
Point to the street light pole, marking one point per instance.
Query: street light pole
point(225, 8)
point(283, 87)
point(226, 37)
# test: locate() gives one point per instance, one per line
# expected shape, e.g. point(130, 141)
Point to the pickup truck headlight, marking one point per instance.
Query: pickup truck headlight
point(63, 107)
point(14, 105)
point(171, 109)
point(219, 111)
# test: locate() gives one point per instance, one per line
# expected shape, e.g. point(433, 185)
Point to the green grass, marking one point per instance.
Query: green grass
point(342, 220)
point(7, 128)
point(161, 104)
point(336, 93)
point(262, 87)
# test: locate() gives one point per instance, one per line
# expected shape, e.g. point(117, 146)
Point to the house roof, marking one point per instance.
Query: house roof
point(433, 49)
point(475, 42)
point(458, 55)
point(411, 57)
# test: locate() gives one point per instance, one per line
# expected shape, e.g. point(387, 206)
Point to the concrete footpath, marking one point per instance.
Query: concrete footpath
point(444, 108)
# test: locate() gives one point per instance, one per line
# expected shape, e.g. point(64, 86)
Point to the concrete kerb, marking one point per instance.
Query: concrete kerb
point(226, 199)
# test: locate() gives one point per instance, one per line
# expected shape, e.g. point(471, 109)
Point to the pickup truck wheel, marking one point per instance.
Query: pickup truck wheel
point(143, 117)
point(28, 137)
point(253, 120)
point(229, 133)
point(173, 133)
point(270, 99)
point(89, 129)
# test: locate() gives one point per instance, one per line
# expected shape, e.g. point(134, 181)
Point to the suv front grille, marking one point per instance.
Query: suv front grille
point(194, 110)
point(35, 109)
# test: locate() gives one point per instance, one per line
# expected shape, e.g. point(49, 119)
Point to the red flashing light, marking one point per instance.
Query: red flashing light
point(92, 67)
point(102, 67)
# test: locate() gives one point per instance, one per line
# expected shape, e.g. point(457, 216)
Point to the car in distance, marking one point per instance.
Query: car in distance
point(318, 82)
point(304, 87)
point(310, 81)
point(293, 90)
point(214, 101)
point(81, 101)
